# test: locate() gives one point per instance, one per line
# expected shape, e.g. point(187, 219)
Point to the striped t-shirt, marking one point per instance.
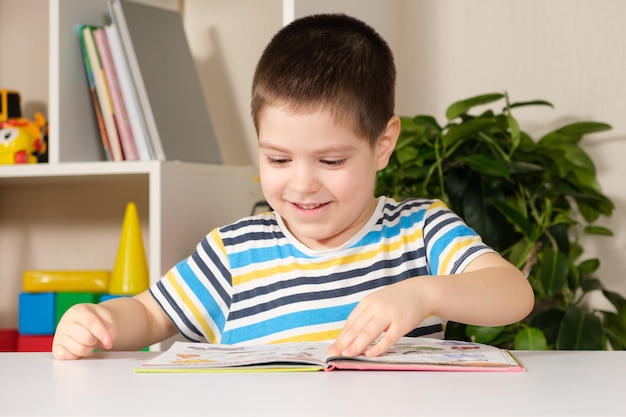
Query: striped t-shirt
point(253, 282)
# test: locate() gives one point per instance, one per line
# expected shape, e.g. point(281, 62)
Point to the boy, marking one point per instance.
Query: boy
point(331, 262)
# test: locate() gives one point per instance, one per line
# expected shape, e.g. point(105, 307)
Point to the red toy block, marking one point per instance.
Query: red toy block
point(8, 340)
point(28, 343)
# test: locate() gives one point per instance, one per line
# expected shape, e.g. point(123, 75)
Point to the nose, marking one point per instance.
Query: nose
point(304, 179)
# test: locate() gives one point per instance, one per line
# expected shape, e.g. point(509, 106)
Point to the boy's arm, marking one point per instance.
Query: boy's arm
point(120, 324)
point(489, 292)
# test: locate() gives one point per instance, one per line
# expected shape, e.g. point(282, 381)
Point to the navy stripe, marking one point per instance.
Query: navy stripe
point(321, 295)
point(252, 236)
point(206, 273)
point(248, 222)
point(334, 276)
point(466, 255)
point(180, 316)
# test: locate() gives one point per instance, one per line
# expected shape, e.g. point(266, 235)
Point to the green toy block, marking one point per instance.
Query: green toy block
point(64, 300)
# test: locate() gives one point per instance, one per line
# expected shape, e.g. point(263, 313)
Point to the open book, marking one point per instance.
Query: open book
point(419, 354)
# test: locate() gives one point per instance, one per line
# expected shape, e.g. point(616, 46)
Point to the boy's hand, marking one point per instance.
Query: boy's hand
point(394, 310)
point(83, 328)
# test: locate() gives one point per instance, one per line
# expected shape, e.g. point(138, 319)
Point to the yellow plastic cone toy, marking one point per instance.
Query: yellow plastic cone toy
point(130, 274)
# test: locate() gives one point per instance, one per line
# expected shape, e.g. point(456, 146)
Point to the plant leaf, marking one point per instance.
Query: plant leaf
point(461, 107)
point(553, 270)
point(583, 128)
point(514, 216)
point(615, 329)
point(531, 103)
point(618, 302)
point(483, 334)
point(597, 230)
point(589, 266)
point(572, 133)
point(580, 330)
point(591, 284)
point(549, 321)
point(428, 122)
point(486, 165)
point(456, 133)
point(530, 338)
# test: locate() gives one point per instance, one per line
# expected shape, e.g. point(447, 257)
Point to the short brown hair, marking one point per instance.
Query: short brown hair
point(330, 61)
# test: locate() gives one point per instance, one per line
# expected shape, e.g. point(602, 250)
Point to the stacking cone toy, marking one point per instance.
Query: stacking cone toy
point(130, 274)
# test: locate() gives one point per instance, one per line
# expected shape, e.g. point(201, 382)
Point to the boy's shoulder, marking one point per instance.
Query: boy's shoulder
point(412, 204)
point(265, 220)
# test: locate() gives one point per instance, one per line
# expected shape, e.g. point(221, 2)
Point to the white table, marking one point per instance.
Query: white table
point(555, 384)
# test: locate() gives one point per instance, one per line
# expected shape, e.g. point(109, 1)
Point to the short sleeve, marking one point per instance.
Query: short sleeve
point(450, 243)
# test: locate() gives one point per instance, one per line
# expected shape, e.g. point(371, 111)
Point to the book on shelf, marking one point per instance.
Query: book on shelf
point(129, 96)
point(120, 115)
point(164, 78)
point(408, 354)
point(115, 152)
point(94, 97)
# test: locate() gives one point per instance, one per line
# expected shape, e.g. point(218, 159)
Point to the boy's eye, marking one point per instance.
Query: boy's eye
point(277, 161)
point(333, 162)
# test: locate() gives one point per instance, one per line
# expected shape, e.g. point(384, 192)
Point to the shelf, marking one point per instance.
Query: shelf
point(90, 171)
point(68, 213)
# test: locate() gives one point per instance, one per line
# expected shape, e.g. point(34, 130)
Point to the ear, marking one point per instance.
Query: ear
point(387, 142)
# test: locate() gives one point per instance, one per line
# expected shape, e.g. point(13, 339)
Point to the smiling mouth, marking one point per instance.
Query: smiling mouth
point(308, 206)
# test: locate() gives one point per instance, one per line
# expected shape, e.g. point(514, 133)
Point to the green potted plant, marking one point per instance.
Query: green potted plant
point(532, 200)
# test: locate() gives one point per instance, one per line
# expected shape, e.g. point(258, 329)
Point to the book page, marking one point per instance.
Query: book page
point(407, 354)
point(428, 351)
point(183, 355)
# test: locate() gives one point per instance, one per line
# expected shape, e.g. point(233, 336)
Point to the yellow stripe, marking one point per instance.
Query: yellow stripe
point(437, 204)
point(191, 306)
point(281, 269)
point(311, 337)
point(218, 241)
point(455, 249)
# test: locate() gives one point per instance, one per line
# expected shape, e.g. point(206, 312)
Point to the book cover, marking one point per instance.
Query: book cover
point(92, 91)
point(120, 115)
point(408, 354)
point(164, 75)
point(102, 93)
point(129, 95)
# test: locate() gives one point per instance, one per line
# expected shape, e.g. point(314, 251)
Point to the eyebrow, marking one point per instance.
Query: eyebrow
point(344, 148)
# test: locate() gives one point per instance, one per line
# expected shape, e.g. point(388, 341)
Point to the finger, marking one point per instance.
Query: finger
point(60, 352)
point(82, 329)
point(391, 336)
point(97, 322)
point(67, 348)
point(100, 325)
point(354, 323)
point(368, 334)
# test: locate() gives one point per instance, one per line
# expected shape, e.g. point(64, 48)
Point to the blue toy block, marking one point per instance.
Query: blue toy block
point(106, 297)
point(36, 315)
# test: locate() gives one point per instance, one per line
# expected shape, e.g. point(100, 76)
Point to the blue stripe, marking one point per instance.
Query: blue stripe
point(442, 244)
point(223, 271)
point(203, 295)
point(287, 322)
point(271, 253)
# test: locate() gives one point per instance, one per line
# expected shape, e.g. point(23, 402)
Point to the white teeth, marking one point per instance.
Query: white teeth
point(308, 206)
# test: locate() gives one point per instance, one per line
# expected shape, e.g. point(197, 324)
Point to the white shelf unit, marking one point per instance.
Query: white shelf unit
point(68, 213)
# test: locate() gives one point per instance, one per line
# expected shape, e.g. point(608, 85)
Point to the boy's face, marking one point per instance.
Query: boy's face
point(318, 175)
